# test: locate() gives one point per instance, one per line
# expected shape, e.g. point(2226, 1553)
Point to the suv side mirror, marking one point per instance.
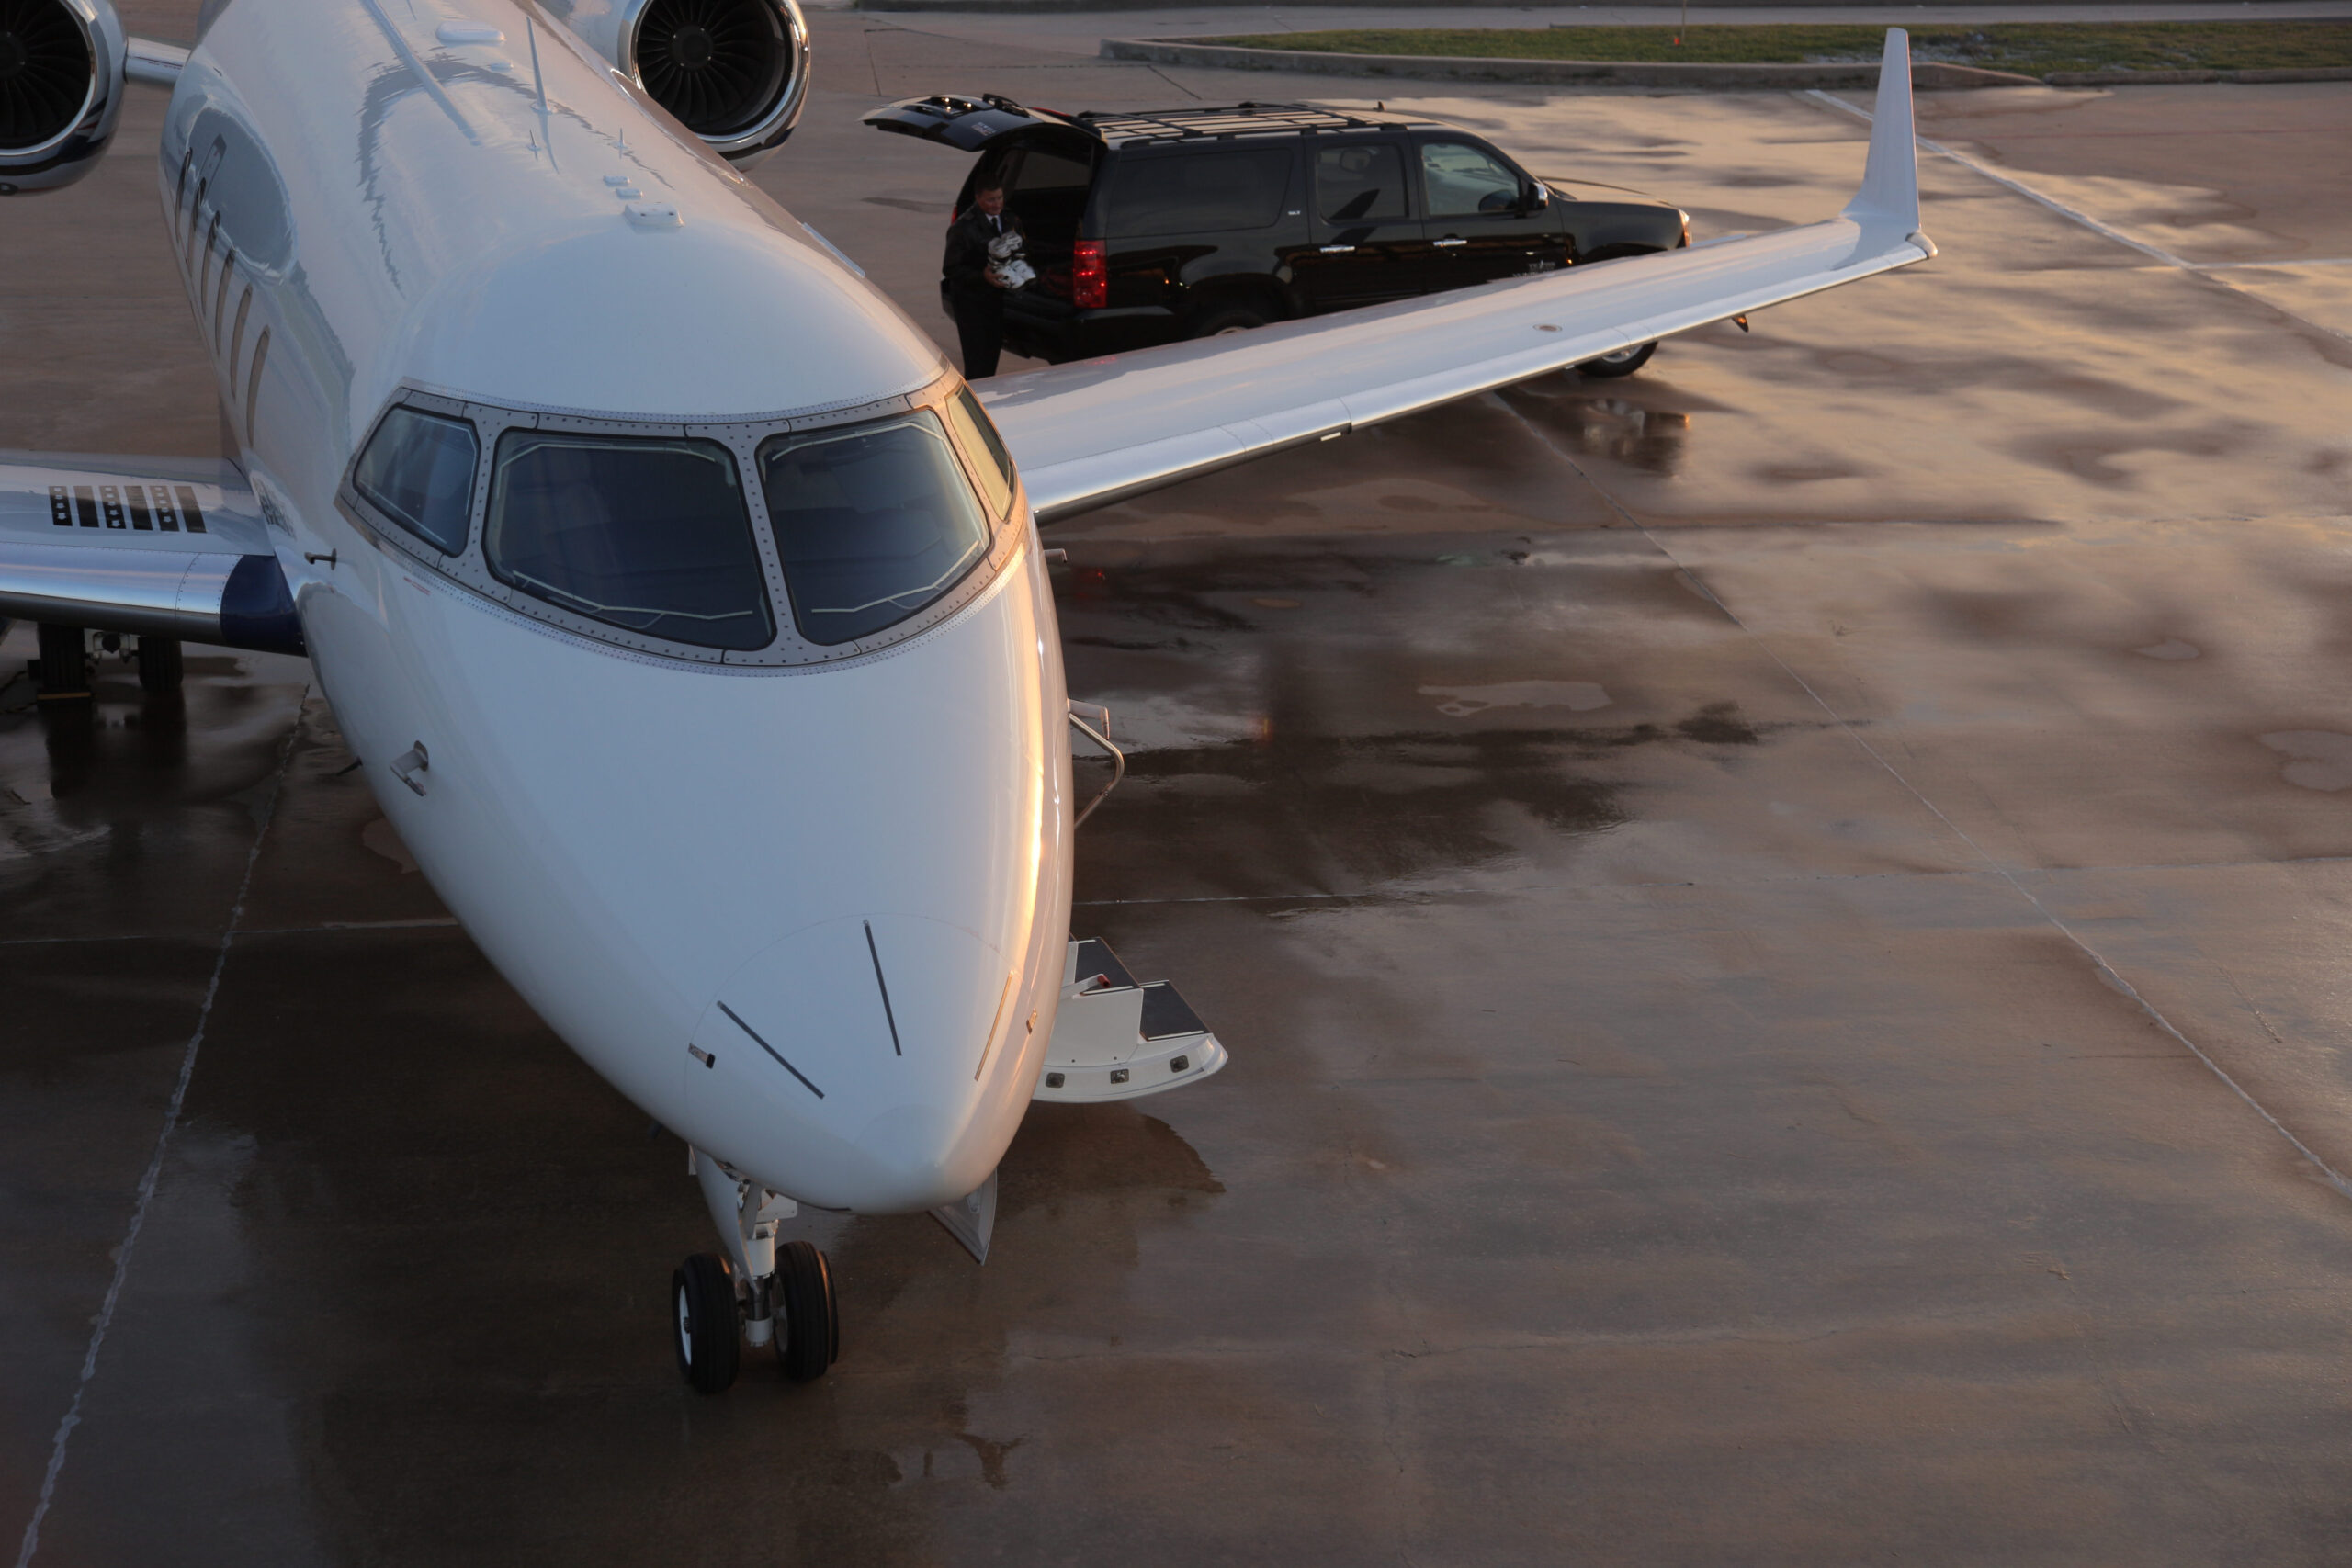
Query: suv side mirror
point(1534, 199)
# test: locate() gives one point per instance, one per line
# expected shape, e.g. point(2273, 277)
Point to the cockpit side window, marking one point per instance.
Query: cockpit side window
point(983, 449)
point(873, 522)
point(651, 535)
point(419, 471)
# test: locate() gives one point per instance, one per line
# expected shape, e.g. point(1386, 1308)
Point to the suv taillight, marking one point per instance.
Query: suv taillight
point(1090, 278)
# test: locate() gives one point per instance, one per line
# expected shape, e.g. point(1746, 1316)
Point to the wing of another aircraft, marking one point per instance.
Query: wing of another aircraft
point(159, 546)
point(1089, 433)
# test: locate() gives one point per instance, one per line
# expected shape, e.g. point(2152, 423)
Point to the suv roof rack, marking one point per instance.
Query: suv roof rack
point(1241, 119)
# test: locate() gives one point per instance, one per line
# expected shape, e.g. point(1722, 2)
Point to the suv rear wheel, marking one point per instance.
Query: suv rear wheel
point(1235, 316)
point(1624, 361)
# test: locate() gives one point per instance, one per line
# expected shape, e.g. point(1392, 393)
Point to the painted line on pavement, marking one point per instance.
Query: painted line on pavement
point(154, 1172)
point(2106, 231)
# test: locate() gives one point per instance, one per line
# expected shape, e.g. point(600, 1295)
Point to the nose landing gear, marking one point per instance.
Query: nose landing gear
point(757, 1292)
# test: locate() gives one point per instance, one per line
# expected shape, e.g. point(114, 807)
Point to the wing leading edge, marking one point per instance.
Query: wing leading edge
point(1091, 434)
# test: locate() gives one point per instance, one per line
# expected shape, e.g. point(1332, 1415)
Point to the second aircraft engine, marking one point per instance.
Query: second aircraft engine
point(733, 72)
point(61, 90)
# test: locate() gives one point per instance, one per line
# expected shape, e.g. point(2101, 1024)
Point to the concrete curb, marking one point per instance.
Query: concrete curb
point(1607, 73)
point(2161, 78)
point(1065, 6)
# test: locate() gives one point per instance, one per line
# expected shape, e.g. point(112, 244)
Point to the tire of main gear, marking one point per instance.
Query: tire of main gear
point(1624, 361)
point(1240, 316)
point(705, 1324)
point(161, 667)
point(811, 1340)
point(64, 664)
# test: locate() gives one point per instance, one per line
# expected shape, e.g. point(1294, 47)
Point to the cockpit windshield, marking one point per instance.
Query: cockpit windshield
point(652, 535)
point(873, 522)
point(767, 540)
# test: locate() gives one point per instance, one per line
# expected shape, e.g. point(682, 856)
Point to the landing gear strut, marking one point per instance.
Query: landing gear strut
point(758, 1291)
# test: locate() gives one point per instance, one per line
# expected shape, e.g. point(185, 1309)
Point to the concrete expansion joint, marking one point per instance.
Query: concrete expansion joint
point(264, 813)
point(2101, 967)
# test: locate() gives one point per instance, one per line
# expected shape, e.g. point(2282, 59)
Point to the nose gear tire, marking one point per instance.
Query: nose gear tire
point(705, 1326)
point(811, 1340)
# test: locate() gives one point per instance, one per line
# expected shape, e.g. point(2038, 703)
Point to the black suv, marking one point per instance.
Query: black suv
point(1148, 228)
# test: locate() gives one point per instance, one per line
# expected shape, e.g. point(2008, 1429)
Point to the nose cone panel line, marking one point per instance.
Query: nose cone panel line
point(901, 1080)
point(706, 839)
point(882, 983)
point(710, 1060)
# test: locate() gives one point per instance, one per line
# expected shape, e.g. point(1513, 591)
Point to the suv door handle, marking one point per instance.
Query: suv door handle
point(1450, 242)
point(1337, 250)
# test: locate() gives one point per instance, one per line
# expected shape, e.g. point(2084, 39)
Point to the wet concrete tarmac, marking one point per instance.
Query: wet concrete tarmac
point(1780, 923)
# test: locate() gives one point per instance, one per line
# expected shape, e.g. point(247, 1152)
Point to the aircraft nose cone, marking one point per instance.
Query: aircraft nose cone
point(844, 1064)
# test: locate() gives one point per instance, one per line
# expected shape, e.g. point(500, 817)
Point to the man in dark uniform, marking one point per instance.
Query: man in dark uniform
point(976, 299)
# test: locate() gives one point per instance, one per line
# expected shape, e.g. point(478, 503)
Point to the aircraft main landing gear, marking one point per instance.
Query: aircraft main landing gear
point(757, 1292)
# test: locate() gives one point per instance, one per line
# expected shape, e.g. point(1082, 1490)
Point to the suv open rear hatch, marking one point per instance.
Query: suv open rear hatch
point(966, 124)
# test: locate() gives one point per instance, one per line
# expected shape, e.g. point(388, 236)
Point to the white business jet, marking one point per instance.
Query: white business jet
point(686, 608)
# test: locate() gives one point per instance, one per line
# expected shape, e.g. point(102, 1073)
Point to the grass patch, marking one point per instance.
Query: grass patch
point(2029, 48)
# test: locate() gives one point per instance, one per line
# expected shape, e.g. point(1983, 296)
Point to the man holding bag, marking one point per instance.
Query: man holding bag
point(977, 280)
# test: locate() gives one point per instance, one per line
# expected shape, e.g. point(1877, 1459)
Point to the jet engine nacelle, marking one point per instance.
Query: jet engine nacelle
point(61, 90)
point(733, 72)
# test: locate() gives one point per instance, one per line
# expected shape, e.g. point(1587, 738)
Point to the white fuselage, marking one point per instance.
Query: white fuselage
point(665, 856)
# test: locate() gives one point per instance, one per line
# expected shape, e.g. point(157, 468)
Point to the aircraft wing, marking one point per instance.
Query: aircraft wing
point(160, 546)
point(1088, 433)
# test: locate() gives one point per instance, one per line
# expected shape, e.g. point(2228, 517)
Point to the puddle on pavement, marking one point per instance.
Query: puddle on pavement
point(1461, 701)
point(1639, 426)
point(126, 764)
point(2318, 759)
point(1081, 1191)
point(1324, 748)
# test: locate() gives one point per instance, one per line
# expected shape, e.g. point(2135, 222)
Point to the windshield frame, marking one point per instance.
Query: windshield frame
point(1009, 528)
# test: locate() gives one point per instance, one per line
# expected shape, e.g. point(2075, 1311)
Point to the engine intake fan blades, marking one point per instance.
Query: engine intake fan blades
point(719, 65)
point(45, 73)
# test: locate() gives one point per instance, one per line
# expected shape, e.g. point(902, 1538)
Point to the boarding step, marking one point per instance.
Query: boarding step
point(1116, 1039)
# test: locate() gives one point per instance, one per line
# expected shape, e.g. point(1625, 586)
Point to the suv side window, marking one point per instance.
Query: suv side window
point(1463, 180)
point(1198, 193)
point(1360, 183)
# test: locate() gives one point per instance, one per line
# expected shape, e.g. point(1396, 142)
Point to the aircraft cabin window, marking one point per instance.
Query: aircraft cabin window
point(220, 296)
point(650, 535)
point(419, 471)
point(873, 522)
point(976, 433)
point(252, 385)
point(237, 333)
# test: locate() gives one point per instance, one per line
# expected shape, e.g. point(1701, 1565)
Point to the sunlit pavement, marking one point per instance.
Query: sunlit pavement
point(1780, 921)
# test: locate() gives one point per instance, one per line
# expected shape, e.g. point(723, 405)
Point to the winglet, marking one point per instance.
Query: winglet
point(1890, 193)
